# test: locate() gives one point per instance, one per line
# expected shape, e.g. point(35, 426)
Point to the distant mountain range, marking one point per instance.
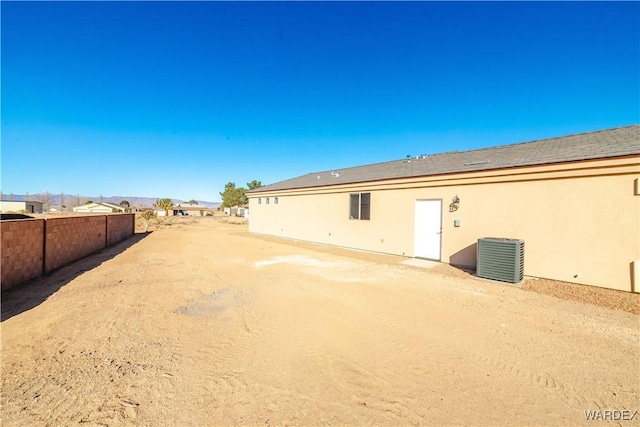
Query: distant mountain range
point(70, 201)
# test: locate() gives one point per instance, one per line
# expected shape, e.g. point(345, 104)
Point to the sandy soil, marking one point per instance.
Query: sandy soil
point(200, 323)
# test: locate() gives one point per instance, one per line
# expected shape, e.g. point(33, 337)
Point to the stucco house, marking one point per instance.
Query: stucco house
point(99, 207)
point(25, 206)
point(573, 200)
point(241, 211)
point(190, 210)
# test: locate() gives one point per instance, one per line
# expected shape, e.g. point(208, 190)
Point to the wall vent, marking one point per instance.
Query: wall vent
point(501, 259)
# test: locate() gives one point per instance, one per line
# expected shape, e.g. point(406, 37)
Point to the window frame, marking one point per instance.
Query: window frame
point(360, 206)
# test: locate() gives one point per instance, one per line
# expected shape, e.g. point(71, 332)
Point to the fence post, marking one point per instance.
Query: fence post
point(44, 247)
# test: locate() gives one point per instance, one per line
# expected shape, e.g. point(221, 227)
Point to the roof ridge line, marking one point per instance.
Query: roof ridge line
point(626, 134)
point(541, 139)
point(475, 149)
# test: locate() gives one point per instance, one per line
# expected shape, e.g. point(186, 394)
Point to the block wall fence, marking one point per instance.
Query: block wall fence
point(22, 250)
point(33, 247)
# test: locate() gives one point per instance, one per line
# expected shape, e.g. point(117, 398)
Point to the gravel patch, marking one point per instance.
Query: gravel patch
point(617, 300)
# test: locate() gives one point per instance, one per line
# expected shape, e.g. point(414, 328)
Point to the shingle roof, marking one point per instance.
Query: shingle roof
point(622, 141)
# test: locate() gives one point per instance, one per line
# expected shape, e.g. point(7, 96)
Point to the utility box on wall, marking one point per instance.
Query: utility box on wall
point(500, 259)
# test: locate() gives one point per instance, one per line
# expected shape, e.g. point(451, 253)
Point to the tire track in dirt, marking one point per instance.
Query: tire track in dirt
point(350, 371)
point(82, 388)
point(399, 383)
point(393, 328)
point(86, 377)
point(570, 395)
point(216, 338)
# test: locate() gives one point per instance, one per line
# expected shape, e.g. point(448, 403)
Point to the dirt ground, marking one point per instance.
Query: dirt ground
point(201, 323)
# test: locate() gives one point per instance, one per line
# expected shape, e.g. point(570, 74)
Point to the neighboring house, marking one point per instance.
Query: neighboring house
point(573, 200)
point(27, 206)
point(101, 207)
point(191, 210)
point(241, 211)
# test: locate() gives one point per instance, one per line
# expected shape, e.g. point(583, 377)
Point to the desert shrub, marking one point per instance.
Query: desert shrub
point(148, 215)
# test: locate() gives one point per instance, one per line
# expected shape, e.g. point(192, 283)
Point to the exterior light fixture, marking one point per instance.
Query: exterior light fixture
point(455, 204)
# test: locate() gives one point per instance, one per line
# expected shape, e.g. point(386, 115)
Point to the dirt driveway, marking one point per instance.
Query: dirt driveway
point(202, 323)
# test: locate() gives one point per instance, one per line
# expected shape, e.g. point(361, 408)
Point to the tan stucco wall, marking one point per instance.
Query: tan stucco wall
point(93, 210)
point(9, 206)
point(580, 221)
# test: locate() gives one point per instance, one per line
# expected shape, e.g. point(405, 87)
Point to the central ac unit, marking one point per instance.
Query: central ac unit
point(500, 259)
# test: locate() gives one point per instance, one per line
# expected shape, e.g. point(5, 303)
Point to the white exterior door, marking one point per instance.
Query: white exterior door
point(428, 229)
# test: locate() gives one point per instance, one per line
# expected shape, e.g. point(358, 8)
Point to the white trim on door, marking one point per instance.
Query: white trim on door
point(428, 229)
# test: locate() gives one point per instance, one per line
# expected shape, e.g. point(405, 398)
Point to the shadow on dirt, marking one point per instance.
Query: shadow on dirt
point(32, 293)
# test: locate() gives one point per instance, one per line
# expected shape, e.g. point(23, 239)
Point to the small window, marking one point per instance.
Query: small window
point(259, 200)
point(267, 200)
point(354, 206)
point(360, 206)
point(275, 200)
point(365, 206)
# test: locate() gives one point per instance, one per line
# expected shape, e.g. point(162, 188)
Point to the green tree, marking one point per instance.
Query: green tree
point(88, 202)
point(165, 204)
point(243, 199)
point(125, 204)
point(193, 202)
point(233, 196)
point(254, 184)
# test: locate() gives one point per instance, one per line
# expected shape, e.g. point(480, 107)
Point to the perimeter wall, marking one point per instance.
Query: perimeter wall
point(33, 247)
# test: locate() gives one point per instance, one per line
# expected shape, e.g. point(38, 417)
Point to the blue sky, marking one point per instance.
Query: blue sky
point(167, 99)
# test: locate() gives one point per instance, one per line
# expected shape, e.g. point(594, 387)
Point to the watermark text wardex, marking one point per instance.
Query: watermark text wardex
point(610, 415)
